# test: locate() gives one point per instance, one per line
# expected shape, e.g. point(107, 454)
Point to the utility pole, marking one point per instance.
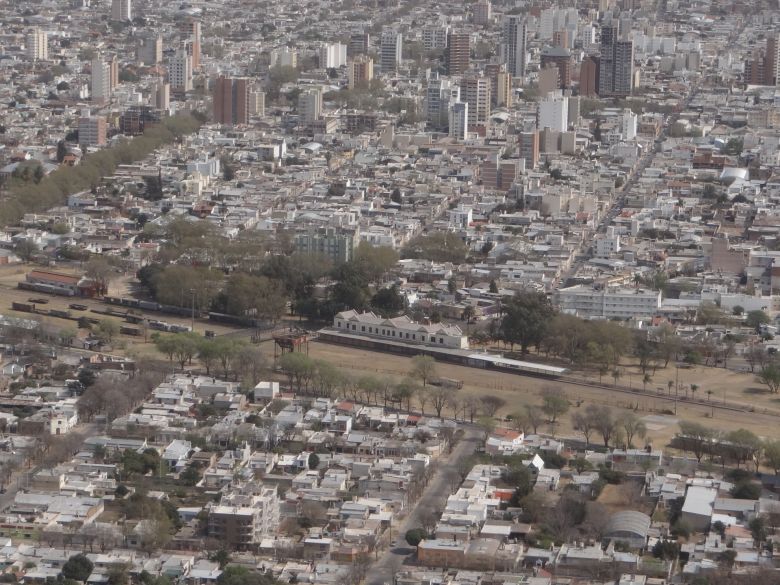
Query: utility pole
point(192, 290)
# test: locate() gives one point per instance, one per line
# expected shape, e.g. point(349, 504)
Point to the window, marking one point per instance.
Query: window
point(363, 328)
point(422, 337)
point(441, 340)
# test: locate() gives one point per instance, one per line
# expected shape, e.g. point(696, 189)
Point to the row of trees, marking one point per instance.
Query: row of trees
point(741, 446)
point(232, 357)
point(38, 195)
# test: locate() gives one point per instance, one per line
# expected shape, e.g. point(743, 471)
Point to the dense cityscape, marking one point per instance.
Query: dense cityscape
point(380, 292)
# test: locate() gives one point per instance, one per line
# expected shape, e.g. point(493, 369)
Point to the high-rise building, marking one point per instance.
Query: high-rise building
point(762, 67)
point(284, 57)
point(624, 68)
point(513, 48)
point(553, 112)
point(92, 129)
point(359, 43)
point(121, 10)
point(180, 72)
point(113, 73)
point(310, 105)
point(100, 80)
point(333, 55)
point(439, 94)
point(360, 71)
point(528, 148)
point(475, 91)
point(160, 97)
point(244, 517)
point(483, 13)
point(256, 103)
point(616, 64)
point(191, 31)
point(459, 121)
point(390, 51)
point(500, 85)
point(560, 58)
point(549, 79)
point(458, 53)
point(148, 51)
point(589, 76)
point(36, 45)
point(435, 37)
point(231, 101)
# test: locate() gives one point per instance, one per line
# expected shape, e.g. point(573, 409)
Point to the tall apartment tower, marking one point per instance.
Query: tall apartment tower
point(332, 55)
point(100, 80)
point(616, 64)
point(589, 76)
point(483, 13)
point(160, 98)
point(256, 102)
point(390, 51)
point(459, 121)
point(190, 30)
point(500, 85)
point(458, 53)
point(475, 91)
point(560, 58)
point(36, 45)
point(121, 10)
point(360, 71)
point(148, 51)
point(439, 94)
point(92, 129)
point(358, 44)
point(310, 105)
point(231, 101)
point(113, 73)
point(528, 148)
point(514, 45)
point(180, 72)
point(771, 74)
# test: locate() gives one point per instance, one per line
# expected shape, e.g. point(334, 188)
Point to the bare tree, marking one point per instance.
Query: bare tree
point(492, 404)
point(440, 397)
point(535, 417)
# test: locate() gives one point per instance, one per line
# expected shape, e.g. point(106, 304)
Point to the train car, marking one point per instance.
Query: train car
point(78, 307)
point(59, 313)
point(24, 307)
point(126, 330)
point(147, 305)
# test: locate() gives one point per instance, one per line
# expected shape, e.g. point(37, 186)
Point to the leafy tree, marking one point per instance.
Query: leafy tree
point(298, 367)
point(755, 319)
point(696, 438)
point(603, 421)
point(314, 461)
point(632, 427)
point(746, 490)
point(437, 247)
point(388, 301)
point(554, 403)
point(26, 250)
point(526, 318)
point(62, 150)
point(415, 536)
point(772, 455)
point(493, 287)
point(769, 375)
point(78, 567)
point(666, 549)
point(423, 368)
point(106, 330)
point(238, 575)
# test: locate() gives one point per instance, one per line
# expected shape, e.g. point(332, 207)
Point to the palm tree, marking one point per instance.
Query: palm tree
point(709, 394)
point(669, 385)
point(694, 389)
point(616, 375)
point(645, 381)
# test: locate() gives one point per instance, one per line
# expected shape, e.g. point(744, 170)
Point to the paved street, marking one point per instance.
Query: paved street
point(433, 498)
